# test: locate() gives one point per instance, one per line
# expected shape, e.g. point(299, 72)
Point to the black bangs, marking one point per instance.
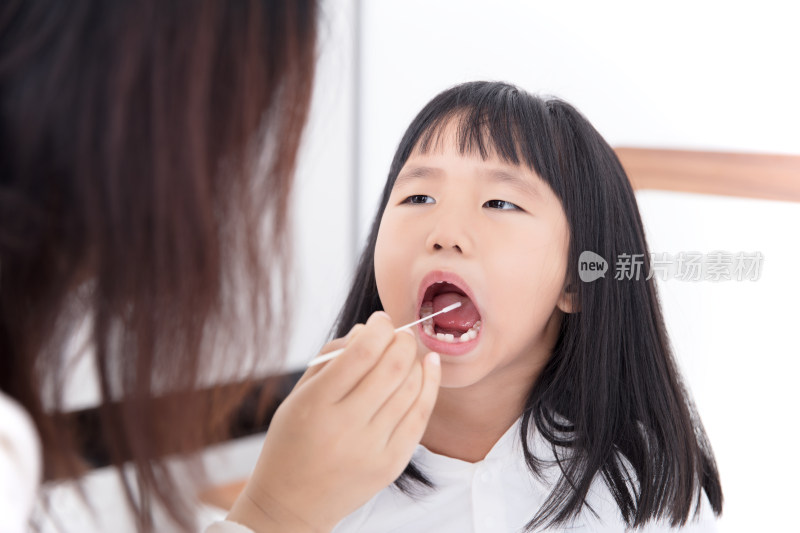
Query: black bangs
point(489, 119)
point(476, 133)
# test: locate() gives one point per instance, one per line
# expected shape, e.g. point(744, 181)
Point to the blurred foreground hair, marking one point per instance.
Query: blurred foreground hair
point(146, 157)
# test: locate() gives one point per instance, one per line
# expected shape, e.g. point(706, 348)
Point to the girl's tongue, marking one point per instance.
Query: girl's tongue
point(461, 318)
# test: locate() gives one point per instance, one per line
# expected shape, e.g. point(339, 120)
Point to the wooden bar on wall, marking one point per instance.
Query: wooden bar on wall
point(765, 176)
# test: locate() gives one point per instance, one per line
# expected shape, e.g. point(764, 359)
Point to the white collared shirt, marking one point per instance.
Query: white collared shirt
point(20, 466)
point(496, 495)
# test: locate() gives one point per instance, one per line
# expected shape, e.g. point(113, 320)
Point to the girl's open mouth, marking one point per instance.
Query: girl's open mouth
point(454, 332)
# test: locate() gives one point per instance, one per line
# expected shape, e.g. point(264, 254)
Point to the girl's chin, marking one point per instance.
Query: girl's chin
point(456, 377)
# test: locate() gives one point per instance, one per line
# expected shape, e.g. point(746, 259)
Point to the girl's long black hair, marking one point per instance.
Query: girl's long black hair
point(610, 401)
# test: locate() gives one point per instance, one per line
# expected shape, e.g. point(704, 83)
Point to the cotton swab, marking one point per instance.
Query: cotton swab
point(330, 355)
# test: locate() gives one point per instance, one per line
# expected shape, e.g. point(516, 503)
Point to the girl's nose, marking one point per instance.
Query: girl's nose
point(450, 233)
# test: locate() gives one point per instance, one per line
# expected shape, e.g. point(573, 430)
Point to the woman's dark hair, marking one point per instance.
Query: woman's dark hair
point(147, 150)
point(610, 400)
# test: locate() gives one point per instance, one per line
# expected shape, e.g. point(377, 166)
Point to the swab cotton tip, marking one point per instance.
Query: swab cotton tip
point(330, 355)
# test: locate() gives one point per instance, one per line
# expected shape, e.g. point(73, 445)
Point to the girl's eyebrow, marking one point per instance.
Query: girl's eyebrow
point(523, 185)
point(418, 172)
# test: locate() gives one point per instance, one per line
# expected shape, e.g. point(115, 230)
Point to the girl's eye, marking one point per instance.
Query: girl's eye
point(419, 199)
point(502, 205)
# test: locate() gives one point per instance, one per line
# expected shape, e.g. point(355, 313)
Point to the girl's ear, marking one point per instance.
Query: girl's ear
point(568, 301)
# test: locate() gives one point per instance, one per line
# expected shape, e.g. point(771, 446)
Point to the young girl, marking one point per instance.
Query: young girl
point(560, 406)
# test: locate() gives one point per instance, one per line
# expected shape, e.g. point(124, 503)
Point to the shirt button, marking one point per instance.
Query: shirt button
point(486, 477)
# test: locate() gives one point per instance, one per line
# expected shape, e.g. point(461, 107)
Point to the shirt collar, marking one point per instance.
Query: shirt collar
point(506, 447)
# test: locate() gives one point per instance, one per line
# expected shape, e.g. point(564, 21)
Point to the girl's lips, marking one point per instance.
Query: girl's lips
point(432, 343)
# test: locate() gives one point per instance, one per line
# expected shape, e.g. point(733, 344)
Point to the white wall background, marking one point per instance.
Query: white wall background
point(704, 75)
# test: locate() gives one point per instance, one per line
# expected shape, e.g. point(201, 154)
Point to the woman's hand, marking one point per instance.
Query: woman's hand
point(347, 430)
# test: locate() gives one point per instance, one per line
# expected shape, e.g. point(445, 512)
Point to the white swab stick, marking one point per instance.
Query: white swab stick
point(330, 355)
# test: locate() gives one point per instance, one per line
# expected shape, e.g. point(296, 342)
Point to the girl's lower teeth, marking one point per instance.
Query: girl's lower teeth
point(467, 336)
